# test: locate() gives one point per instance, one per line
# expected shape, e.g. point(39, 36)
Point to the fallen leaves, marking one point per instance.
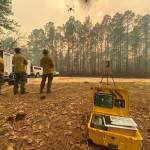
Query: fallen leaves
point(68, 133)
point(60, 120)
point(10, 147)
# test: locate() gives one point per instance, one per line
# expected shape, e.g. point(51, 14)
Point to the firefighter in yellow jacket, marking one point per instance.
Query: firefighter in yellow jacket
point(1, 72)
point(19, 63)
point(47, 65)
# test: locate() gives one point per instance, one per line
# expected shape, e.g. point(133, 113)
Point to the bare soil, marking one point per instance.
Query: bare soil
point(57, 121)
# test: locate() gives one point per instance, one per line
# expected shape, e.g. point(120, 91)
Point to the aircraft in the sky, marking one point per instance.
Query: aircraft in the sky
point(71, 9)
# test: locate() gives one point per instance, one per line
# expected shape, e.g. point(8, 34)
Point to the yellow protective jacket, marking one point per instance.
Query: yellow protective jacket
point(1, 66)
point(47, 64)
point(19, 63)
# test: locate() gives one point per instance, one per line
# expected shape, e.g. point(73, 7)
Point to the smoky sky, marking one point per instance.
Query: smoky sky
point(35, 13)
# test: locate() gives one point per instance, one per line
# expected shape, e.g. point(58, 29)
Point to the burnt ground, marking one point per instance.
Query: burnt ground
point(57, 121)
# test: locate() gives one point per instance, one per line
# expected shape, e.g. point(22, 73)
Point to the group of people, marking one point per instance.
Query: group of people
point(20, 77)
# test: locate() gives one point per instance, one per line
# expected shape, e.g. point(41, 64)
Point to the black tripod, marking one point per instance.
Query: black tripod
point(107, 73)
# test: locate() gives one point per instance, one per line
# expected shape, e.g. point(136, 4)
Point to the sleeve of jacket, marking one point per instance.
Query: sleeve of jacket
point(2, 66)
point(51, 63)
point(25, 61)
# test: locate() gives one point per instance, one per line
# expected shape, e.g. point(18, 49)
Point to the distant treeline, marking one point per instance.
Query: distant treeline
point(82, 48)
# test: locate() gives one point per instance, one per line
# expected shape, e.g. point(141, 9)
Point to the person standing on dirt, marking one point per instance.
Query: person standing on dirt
point(47, 64)
point(1, 73)
point(19, 63)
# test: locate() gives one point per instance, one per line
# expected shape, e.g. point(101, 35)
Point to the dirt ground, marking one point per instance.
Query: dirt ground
point(57, 121)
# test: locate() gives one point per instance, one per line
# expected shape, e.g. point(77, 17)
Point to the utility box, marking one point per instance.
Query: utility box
point(110, 124)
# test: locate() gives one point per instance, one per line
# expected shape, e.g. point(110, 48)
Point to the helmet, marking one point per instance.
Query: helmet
point(45, 52)
point(17, 50)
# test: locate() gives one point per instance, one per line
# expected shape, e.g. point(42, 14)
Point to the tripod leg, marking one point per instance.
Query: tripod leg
point(113, 80)
point(102, 77)
point(107, 77)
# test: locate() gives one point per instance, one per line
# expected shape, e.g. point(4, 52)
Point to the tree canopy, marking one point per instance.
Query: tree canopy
point(82, 48)
point(6, 21)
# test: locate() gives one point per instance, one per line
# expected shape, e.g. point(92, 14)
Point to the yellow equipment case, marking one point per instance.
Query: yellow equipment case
point(110, 124)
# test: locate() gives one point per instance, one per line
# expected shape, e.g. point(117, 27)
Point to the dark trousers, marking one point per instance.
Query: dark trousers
point(44, 77)
point(20, 79)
